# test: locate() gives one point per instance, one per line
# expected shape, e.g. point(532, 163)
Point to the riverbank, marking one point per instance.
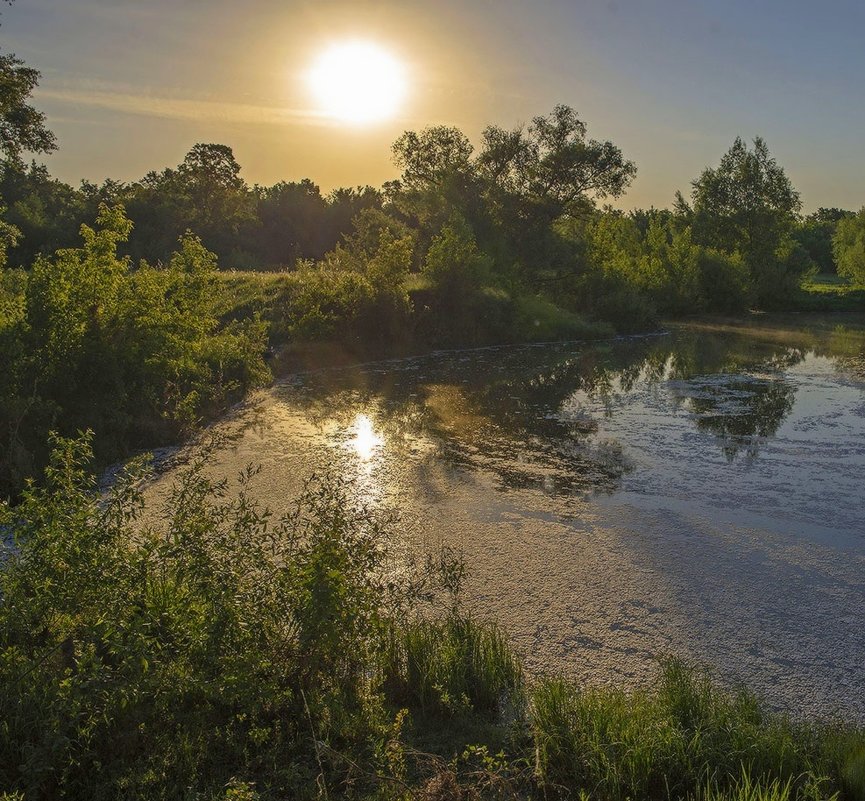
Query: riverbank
point(631, 482)
point(241, 657)
point(287, 305)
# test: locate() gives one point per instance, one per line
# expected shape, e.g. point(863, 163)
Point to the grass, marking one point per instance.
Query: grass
point(827, 292)
point(224, 654)
point(453, 667)
point(312, 308)
point(674, 740)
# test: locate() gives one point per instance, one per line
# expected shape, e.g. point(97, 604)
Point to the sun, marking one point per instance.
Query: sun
point(358, 82)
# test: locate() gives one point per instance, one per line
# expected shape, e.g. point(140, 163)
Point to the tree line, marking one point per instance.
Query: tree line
point(123, 326)
point(530, 197)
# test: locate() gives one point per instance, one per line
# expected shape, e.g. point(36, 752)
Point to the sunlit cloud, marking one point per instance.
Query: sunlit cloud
point(176, 108)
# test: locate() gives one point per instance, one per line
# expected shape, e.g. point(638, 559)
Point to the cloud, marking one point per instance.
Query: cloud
point(177, 108)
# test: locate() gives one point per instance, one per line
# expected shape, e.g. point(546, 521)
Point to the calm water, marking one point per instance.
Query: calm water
point(699, 492)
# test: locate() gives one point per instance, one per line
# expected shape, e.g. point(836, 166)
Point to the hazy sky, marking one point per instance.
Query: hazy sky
point(130, 85)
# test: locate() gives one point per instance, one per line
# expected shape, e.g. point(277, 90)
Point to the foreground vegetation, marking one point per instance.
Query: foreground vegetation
point(215, 652)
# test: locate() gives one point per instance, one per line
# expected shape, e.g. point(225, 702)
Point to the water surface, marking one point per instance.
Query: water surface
point(698, 492)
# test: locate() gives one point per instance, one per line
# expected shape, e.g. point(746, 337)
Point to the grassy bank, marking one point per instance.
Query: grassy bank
point(315, 307)
point(221, 654)
point(830, 293)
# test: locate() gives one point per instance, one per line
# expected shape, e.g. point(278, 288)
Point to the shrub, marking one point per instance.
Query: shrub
point(848, 247)
point(725, 284)
point(219, 645)
point(136, 354)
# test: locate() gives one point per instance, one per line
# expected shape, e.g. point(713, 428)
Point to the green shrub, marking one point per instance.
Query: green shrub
point(848, 247)
point(725, 284)
point(216, 645)
point(140, 663)
point(138, 355)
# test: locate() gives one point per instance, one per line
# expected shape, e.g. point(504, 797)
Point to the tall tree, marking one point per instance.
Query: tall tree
point(22, 127)
point(293, 219)
point(204, 194)
point(747, 205)
point(515, 187)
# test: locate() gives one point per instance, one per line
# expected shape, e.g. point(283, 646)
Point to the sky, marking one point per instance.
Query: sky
point(128, 86)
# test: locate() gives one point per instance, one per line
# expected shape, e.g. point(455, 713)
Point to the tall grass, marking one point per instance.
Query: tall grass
point(453, 666)
point(682, 736)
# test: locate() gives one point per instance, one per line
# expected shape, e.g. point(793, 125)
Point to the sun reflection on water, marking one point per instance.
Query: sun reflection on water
point(366, 441)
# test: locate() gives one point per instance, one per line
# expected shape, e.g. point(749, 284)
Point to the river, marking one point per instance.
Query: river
point(698, 492)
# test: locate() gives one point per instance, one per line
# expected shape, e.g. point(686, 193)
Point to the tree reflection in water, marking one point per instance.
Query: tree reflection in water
point(533, 415)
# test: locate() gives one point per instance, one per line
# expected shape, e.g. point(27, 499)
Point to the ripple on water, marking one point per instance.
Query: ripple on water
point(698, 493)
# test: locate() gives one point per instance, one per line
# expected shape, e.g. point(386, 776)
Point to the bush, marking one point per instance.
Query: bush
point(848, 247)
point(218, 645)
point(136, 354)
point(725, 284)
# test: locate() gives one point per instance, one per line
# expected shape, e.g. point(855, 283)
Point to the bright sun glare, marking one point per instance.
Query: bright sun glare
point(358, 82)
point(366, 441)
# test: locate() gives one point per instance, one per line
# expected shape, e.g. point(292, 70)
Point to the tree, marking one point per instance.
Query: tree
point(293, 218)
point(554, 165)
point(48, 212)
point(514, 188)
point(550, 165)
point(848, 246)
point(747, 205)
point(204, 194)
point(429, 157)
point(815, 234)
point(22, 127)
point(210, 177)
point(343, 206)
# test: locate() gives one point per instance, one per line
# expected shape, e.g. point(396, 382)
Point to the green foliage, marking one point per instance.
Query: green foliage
point(830, 293)
point(683, 738)
point(848, 245)
point(455, 666)
point(217, 647)
point(669, 270)
point(454, 262)
point(747, 205)
point(725, 284)
point(512, 191)
point(22, 127)
point(213, 651)
point(9, 237)
point(815, 234)
point(137, 355)
point(538, 319)
point(358, 289)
